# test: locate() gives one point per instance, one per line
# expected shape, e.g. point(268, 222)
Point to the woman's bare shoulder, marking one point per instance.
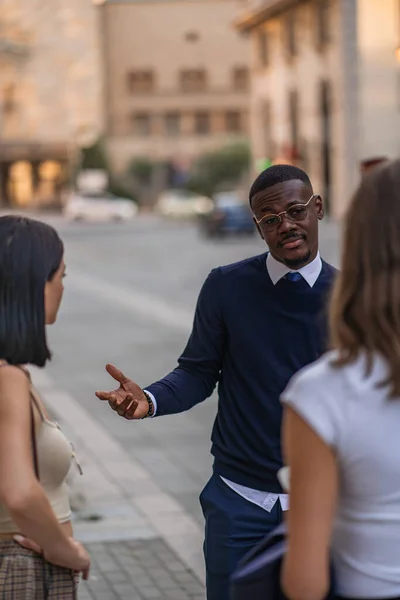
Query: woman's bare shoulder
point(13, 380)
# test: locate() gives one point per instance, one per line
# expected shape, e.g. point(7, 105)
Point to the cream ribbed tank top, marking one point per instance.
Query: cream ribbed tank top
point(54, 456)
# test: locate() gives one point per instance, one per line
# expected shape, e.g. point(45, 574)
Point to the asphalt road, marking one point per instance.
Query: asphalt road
point(130, 294)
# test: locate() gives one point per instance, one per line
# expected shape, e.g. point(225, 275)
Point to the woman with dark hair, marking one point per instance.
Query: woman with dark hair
point(342, 417)
point(38, 556)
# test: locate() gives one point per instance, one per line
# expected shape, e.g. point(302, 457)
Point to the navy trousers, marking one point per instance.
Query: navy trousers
point(233, 527)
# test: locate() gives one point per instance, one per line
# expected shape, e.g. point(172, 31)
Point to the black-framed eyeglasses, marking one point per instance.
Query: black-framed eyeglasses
point(296, 212)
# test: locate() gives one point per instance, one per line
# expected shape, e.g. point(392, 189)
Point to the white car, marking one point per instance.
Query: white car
point(99, 206)
point(182, 203)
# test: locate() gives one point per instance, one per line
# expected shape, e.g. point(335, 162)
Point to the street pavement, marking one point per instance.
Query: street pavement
point(130, 294)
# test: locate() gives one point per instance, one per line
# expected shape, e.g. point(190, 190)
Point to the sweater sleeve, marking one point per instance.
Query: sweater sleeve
point(198, 370)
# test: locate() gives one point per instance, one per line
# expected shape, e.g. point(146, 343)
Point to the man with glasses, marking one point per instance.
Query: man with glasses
point(257, 322)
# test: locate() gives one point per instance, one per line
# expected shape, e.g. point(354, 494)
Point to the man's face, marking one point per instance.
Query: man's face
point(293, 243)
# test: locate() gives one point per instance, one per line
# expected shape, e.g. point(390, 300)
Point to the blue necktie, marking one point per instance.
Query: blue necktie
point(294, 276)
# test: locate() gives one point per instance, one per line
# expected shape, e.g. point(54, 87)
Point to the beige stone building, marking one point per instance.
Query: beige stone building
point(50, 94)
point(177, 78)
point(325, 86)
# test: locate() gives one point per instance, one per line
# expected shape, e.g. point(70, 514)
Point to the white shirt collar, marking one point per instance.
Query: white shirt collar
point(310, 272)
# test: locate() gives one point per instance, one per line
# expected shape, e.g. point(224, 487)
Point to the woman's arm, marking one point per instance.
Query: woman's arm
point(20, 491)
point(313, 493)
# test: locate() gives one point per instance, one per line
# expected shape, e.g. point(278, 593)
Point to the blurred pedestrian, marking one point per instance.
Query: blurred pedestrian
point(341, 428)
point(257, 322)
point(38, 555)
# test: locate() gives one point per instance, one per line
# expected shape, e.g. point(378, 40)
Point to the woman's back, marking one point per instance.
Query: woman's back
point(354, 415)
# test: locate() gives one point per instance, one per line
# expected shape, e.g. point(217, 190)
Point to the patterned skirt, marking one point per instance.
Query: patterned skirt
point(25, 575)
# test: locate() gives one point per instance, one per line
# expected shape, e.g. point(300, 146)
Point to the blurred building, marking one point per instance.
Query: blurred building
point(177, 79)
point(50, 95)
point(326, 86)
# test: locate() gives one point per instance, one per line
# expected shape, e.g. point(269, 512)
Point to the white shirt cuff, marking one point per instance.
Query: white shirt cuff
point(154, 401)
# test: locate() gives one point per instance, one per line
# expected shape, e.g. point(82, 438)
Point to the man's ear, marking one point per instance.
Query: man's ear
point(319, 205)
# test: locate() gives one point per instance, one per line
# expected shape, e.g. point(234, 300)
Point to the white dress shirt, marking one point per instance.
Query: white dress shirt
point(276, 271)
point(310, 272)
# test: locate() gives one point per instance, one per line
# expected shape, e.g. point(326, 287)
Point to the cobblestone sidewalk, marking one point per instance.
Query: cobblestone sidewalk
point(139, 570)
point(143, 545)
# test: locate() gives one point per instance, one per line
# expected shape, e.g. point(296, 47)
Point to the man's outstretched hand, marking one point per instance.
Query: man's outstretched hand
point(128, 400)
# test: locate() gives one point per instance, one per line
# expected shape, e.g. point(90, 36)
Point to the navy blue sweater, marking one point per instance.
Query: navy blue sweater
point(249, 336)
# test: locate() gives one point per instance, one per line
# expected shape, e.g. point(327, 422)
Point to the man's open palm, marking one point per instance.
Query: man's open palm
point(128, 400)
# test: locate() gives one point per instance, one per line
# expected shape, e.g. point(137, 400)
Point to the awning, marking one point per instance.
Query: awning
point(262, 12)
point(12, 151)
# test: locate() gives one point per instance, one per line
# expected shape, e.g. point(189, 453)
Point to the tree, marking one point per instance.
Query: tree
point(94, 157)
point(220, 168)
point(142, 170)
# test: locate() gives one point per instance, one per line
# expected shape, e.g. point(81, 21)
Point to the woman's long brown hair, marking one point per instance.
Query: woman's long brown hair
point(365, 307)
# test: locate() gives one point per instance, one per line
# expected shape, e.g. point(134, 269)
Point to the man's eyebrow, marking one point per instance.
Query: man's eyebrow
point(266, 209)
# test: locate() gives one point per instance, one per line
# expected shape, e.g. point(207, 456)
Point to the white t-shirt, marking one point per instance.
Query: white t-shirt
point(362, 424)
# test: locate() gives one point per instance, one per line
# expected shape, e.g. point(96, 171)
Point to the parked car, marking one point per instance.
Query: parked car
point(182, 203)
point(99, 206)
point(230, 214)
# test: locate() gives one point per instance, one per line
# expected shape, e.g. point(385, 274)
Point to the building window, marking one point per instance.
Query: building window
point(263, 48)
point(192, 36)
point(202, 123)
point(290, 35)
point(322, 23)
point(325, 103)
point(241, 79)
point(141, 124)
point(193, 80)
point(9, 98)
point(233, 121)
point(294, 118)
point(140, 82)
point(266, 121)
point(172, 123)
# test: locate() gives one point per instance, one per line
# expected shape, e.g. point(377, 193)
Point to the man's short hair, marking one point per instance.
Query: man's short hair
point(277, 174)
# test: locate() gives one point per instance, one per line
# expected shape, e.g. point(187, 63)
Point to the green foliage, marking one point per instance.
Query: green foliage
point(142, 169)
point(118, 189)
point(220, 168)
point(94, 157)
